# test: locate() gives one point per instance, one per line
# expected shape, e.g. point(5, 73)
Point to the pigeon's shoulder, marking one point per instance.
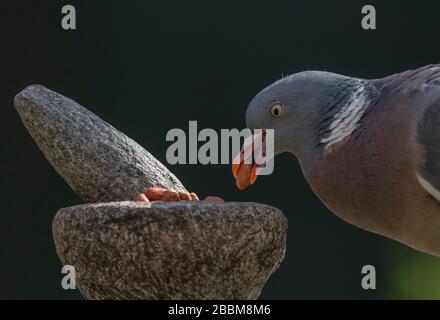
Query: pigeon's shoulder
point(412, 94)
point(411, 81)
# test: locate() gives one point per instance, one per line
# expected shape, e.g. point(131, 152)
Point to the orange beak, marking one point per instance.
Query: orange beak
point(245, 174)
point(244, 171)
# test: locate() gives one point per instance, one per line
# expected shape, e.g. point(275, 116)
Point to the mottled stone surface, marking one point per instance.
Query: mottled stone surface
point(99, 162)
point(183, 250)
point(135, 250)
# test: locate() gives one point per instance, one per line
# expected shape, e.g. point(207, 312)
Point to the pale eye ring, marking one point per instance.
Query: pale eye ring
point(276, 109)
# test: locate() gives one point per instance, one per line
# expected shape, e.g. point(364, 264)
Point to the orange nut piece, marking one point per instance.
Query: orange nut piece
point(141, 197)
point(213, 199)
point(185, 196)
point(193, 196)
point(170, 196)
point(154, 194)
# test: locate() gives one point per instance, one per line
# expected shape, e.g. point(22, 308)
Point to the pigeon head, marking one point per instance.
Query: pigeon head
point(293, 107)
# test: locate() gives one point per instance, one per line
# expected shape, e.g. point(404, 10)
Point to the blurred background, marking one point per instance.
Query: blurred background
point(147, 67)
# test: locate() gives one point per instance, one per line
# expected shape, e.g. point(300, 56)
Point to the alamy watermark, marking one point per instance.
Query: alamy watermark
point(369, 279)
point(68, 282)
point(257, 148)
point(68, 22)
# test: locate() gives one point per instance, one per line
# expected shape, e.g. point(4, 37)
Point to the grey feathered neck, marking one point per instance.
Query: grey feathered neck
point(345, 106)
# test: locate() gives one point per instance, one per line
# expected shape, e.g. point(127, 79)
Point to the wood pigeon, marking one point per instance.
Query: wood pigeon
point(370, 149)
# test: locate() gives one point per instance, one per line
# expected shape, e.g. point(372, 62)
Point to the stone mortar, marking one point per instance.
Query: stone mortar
point(132, 250)
point(183, 250)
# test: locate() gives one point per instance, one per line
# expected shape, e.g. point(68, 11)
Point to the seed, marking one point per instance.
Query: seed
point(213, 199)
point(185, 196)
point(141, 197)
point(170, 196)
point(154, 194)
point(194, 196)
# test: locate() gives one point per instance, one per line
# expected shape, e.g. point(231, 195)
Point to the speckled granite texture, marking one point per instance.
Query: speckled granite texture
point(99, 162)
point(135, 250)
point(163, 250)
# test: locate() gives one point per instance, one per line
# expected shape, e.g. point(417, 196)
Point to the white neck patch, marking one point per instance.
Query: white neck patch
point(429, 187)
point(346, 120)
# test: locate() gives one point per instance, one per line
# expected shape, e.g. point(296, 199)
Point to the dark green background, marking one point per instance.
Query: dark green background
point(147, 67)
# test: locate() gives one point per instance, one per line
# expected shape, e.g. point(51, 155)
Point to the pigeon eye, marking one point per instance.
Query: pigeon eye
point(276, 109)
